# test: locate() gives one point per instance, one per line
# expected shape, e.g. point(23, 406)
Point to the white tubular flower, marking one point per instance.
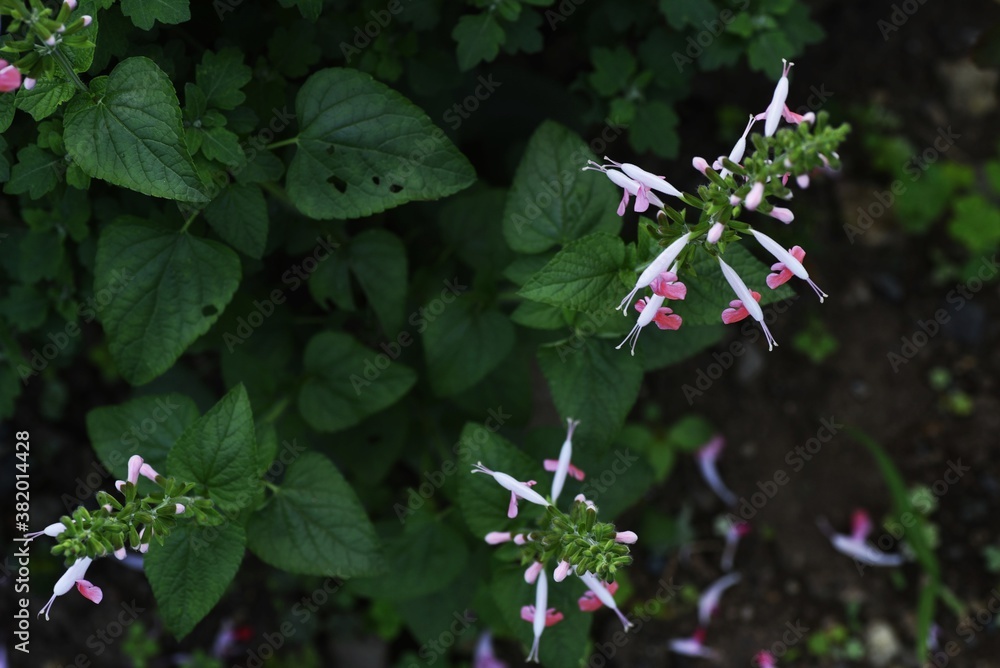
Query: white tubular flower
point(648, 179)
point(789, 261)
point(662, 263)
point(777, 106)
point(541, 608)
point(736, 155)
point(749, 303)
point(565, 455)
point(604, 596)
point(73, 574)
point(517, 489)
point(708, 602)
point(52, 530)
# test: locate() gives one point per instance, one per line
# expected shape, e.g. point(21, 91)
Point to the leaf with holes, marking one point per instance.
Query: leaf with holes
point(166, 288)
point(365, 148)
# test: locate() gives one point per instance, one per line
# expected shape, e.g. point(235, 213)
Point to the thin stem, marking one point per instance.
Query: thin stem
point(276, 410)
point(283, 142)
point(187, 223)
point(68, 69)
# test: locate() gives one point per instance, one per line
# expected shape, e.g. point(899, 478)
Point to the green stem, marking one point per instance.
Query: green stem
point(283, 142)
point(68, 69)
point(187, 223)
point(275, 411)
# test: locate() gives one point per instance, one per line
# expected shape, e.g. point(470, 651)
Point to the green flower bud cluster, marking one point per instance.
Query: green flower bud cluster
point(134, 523)
point(579, 539)
point(41, 39)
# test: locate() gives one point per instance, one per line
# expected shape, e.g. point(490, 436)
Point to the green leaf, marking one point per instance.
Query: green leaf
point(222, 145)
point(976, 223)
point(36, 172)
point(221, 76)
point(654, 129)
point(43, 100)
point(378, 260)
point(480, 246)
point(7, 107)
point(524, 35)
point(583, 276)
point(592, 381)
point(238, 214)
point(191, 571)
point(347, 382)
point(314, 524)
point(129, 133)
point(424, 557)
point(25, 307)
point(766, 51)
point(551, 201)
point(144, 13)
point(146, 426)
point(535, 315)
point(365, 148)
point(219, 451)
point(310, 9)
point(658, 350)
point(166, 289)
point(479, 37)
point(464, 343)
point(613, 69)
point(709, 293)
point(681, 13)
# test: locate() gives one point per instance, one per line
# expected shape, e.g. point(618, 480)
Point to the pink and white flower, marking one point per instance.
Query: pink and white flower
point(531, 573)
point(604, 595)
point(589, 602)
point(651, 309)
point(668, 286)
point(754, 196)
point(789, 264)
point(517, 489)
point(707, 457)
point(483, 657)
point(497, 537)
point(748, 300)
point(736, 531)
point(563, 466)
point(540, 615)
point(764, 659)
point(694, 646)
point(135, 464)
point(561, 571)
point(10, 77)
point(662, 263)
point(630, 187)
point(708, 602)
point(781, 213)
point(715, 233)
point(855, 545)
point(74, 576)
point(626, 537)
point(736, 155)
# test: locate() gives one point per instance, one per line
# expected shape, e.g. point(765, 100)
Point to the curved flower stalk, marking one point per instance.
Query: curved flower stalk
point(735, 531)
point(575, 542)
point(736, 183)
point(89, 535)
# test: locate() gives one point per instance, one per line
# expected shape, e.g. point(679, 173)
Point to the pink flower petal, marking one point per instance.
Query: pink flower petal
point(89, 591)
